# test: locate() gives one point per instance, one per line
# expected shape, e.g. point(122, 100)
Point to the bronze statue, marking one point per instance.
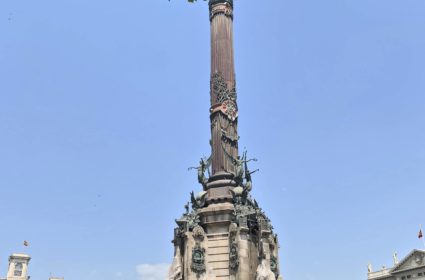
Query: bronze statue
point(241, 168)
point(186, 206)
point(248, 178)
point(203, 166)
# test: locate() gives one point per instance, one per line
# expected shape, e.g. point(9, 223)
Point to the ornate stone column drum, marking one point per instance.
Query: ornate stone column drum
point(224, 234)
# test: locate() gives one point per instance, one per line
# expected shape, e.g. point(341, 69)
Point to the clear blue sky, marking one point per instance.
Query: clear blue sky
point(104, 105)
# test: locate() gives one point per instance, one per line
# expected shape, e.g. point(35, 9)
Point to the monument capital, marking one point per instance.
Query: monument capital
point(215, 2)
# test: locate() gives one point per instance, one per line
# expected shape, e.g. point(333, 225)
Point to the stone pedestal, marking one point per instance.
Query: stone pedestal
point(229, 241)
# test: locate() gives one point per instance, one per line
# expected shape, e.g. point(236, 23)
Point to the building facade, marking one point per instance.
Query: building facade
point(411, 267)
point(18, 267)
point(224, 234)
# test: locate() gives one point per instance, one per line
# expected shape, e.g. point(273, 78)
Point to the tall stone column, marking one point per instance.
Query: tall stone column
point(224, 109)
point(225, 234)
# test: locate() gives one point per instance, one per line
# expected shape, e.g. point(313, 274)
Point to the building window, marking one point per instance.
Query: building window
point(18, 269)
point(420, 274)
point(409, 276)
point(403, 278)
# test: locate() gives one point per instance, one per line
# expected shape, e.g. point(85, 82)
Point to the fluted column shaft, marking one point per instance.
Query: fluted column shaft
point(224, 136)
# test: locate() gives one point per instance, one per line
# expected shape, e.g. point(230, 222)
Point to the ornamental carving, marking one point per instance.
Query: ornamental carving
point(233, 229)
point(243, 222)
point(234, 257)
point(263, 224)
point(215, 2)
point(263, 272)
point(273, 264)
point(227, 138)
point(221, 7)
point(198, 233)
point(225, 98)
point(188, 221)
point(419, 258)
point(272, 242)
point(198, 260)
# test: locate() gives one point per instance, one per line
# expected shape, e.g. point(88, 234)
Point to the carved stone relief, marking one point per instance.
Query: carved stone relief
point(225, 98)
point(198, 260)
point(234, 257)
